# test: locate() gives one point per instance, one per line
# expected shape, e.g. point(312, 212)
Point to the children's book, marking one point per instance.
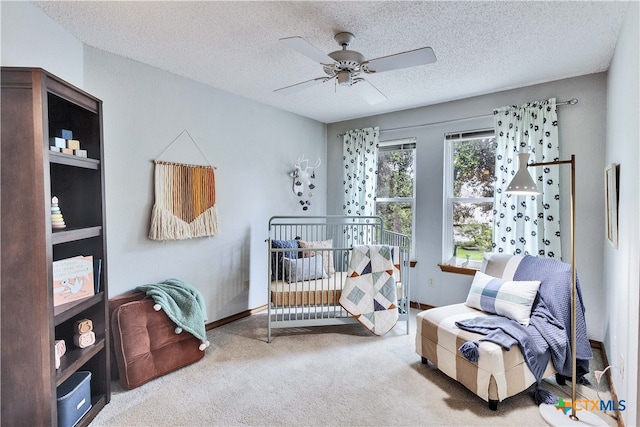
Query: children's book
point(72, 279)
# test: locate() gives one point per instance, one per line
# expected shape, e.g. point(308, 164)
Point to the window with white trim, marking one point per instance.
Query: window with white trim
point(469, 177)
point(395, 187)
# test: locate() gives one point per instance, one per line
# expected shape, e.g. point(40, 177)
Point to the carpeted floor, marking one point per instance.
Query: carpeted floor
point(322, 376)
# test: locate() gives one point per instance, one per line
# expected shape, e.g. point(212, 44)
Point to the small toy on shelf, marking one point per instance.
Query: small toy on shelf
point(83, 326)
point(60, 350)
point(85, 335)
point(57, 221)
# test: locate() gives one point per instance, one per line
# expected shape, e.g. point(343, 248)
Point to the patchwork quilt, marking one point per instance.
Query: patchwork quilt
point(369, 293)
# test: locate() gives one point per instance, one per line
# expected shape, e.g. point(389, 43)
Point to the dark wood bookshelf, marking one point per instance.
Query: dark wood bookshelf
point(35, 105)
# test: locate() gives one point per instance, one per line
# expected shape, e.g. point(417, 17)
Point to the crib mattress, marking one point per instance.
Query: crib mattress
point(313, 292)
point(496, 375)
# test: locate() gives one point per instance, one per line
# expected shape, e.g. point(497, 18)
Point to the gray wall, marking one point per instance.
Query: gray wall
point(621, 264)
point(252, 145)
point(31, 39)
point(581, 132)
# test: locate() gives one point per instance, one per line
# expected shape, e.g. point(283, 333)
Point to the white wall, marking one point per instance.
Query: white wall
point(581, 132)
point(31, 39)
point(621, 279)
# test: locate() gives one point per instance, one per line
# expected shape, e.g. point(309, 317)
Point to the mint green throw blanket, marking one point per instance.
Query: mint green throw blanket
point(182, 302)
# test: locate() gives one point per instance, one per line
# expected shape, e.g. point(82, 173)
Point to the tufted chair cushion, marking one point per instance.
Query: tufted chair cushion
point(144, 341)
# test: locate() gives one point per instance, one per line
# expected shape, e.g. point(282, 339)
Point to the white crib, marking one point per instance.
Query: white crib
point(308, 258)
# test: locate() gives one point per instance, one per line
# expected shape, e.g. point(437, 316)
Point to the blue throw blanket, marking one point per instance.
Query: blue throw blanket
point(182, 302)
point(549, 332)
point(505, 332)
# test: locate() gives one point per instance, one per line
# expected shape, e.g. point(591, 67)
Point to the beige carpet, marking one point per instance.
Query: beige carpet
point(322, 376)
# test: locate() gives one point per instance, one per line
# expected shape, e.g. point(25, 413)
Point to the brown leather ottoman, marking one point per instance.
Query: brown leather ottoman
point(144, 342)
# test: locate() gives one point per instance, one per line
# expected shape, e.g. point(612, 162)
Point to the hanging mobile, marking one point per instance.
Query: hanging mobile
point(303, 178)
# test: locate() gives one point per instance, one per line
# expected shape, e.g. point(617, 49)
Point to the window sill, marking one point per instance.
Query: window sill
point(458, 270)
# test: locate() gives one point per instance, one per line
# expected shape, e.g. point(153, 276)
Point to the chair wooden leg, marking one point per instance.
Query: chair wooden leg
point(493, 405)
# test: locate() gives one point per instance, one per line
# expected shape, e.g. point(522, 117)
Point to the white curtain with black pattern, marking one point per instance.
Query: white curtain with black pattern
point(360, 160)
point(527, 225)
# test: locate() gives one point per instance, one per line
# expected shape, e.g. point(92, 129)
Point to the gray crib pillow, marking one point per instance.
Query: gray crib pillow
point(299, 269)
point(327, 256)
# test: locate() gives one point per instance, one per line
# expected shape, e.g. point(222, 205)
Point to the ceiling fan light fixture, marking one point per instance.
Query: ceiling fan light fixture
point(350, 57)
point(344, 78)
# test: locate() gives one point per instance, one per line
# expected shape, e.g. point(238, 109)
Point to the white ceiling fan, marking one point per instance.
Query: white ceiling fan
point(346, 65)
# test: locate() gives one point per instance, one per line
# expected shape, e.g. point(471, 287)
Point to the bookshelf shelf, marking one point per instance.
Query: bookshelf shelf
point(75, 358)
point(62, 313)
point(71, 235)
point(71, 160)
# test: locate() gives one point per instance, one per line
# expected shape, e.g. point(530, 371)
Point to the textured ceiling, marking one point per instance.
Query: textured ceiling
point(481, 47)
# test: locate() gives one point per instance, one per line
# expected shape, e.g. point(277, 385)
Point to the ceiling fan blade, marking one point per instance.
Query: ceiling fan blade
point(302, 46)
point(300, 86)
point(367, 91)
point(407, 59)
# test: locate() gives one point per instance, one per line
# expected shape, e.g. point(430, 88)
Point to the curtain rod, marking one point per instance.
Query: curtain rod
point(572, 101)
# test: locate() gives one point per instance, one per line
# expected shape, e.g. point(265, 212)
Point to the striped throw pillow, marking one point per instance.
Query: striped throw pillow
point(512, 299)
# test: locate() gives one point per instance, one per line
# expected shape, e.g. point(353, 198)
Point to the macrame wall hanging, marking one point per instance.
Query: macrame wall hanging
point(303, 175)
point(185, 200)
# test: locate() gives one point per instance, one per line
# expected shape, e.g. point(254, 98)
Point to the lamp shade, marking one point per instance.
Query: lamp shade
point(522, 183)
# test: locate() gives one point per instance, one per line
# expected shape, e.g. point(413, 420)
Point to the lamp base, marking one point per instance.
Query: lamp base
point(555, 417)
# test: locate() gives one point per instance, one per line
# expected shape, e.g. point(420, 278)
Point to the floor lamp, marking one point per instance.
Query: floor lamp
point(523, 184)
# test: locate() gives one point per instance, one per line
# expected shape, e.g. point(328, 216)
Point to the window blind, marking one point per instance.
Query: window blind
point(397, 144)
point(474, 134)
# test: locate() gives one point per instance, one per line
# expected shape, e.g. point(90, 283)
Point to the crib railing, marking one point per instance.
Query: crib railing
point(314, 301)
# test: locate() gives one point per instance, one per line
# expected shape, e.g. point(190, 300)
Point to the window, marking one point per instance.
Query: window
point(468, 197)
point(395, 187)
